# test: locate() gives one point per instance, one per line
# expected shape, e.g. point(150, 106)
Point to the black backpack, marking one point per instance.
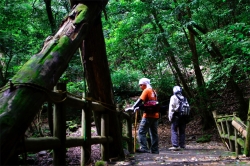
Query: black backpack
point(184, 108)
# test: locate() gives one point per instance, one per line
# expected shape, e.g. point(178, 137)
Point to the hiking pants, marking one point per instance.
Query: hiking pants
point(178, 127)
point(148, 125)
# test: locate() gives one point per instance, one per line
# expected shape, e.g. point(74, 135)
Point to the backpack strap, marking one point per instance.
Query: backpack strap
point(155, 95)
point(180, 98)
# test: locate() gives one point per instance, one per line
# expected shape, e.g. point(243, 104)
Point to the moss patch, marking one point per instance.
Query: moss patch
point(62, 44)
point(205, 138)
point(81, 10)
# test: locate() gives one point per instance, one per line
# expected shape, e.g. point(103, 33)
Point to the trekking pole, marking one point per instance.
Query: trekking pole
point(135, 128)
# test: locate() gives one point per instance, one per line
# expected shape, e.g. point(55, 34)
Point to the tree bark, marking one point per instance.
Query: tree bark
point(50, 15)
point(195, 56)
point(214, 52)
point(172, 58)
point(22, 100)
point(100, 85)
point(202, 97)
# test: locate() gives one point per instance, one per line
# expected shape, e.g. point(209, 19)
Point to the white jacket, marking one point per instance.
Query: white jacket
point(173, 105)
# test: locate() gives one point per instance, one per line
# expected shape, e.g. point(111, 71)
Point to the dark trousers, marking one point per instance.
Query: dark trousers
point(148, 125)
point(178, 126)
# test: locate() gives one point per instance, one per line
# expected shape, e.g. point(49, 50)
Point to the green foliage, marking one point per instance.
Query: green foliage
point(135, 43)
point(236, 46)
point(24, 26)
point(204, 138)
point(76, 88)
point(100, 163)
point(125, 80)
point(71, 125)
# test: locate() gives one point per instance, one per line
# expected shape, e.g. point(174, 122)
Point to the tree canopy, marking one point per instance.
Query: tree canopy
point(201, 45)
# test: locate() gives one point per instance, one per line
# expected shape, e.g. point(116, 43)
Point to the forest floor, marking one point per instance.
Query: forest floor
point(213, 152)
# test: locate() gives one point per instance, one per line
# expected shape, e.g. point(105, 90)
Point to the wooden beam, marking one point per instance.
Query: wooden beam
point(247, 142)
point(240, 128)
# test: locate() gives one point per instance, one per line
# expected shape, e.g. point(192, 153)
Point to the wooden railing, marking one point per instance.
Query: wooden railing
point(59, 142)
point(233, 132)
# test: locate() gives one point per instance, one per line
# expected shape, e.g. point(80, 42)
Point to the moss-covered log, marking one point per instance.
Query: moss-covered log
point(20, 102)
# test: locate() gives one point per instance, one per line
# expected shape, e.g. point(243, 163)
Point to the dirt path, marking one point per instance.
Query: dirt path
point(212, 153)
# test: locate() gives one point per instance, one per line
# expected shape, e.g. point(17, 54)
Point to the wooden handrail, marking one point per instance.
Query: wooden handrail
point(59, 141)
point(232, 139)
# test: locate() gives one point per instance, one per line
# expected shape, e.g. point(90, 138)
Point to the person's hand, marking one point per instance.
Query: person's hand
point(129, 109)
point(170, 118)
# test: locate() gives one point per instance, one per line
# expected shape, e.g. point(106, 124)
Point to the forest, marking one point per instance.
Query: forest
point(201, 45)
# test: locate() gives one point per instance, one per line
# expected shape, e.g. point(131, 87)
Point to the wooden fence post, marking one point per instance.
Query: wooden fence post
point(86, 133)
point(217, 125)
point(231, 145)
point(236, 143)
point(247, 141)
point(59, 130)
point(50, 117)
point(104, 132)
point(129, 134)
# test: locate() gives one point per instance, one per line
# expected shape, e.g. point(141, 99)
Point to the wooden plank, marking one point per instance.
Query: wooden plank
point(224, 119)
point(231, 144)
point(41, 143)
point(44, 143)
point(100, 139)
point(241, 142)
point(97, 107)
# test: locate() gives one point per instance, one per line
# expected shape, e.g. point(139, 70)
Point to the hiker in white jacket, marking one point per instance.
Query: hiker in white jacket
point(178, 125)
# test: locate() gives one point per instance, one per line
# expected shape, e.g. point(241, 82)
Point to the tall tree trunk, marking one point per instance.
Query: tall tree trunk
point(195, 56)
point(19, 103)
point(50, 15)
point(202, 94)
point(214, 52)
point(195, 59)
point(217, 56)
point(100, 85)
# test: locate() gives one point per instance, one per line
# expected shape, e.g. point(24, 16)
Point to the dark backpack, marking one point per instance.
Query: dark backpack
point(184, 108)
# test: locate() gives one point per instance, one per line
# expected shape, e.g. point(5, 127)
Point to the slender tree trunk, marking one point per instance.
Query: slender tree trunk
point(50, 15)
point(195, 56)
point(100, 85)
point(202, 94)
point(214, 52)
point(172, 58)
point(20, 102)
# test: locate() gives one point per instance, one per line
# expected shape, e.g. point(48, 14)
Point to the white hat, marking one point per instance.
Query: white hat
point(145, 81)
point(177, 89)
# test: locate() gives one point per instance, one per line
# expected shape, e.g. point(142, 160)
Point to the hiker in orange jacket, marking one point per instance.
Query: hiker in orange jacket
point(149, 120)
